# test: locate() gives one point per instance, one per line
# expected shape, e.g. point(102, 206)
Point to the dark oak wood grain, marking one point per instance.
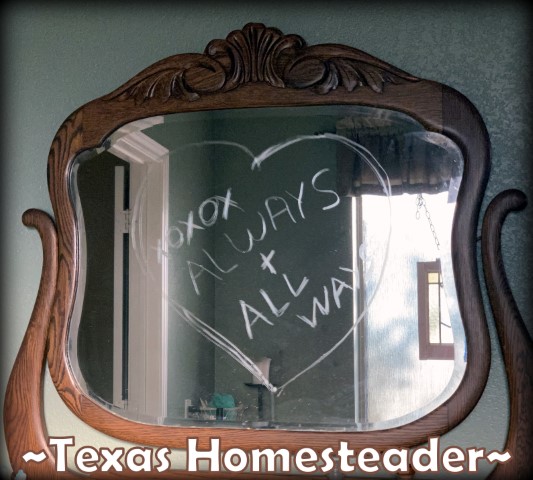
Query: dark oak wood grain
point(24, 426)
point(516, 343)
point(261, 67)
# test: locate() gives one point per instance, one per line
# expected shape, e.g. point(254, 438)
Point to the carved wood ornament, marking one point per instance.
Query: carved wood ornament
point(259, 54)
point(255, 67)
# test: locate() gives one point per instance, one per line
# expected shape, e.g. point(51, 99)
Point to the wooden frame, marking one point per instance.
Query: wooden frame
point(253, 67)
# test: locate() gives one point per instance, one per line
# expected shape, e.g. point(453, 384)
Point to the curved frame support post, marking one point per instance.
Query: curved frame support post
point(516, 344)
point(24, 424)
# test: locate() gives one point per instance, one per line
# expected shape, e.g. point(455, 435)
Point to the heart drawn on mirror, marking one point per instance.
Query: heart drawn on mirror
point(267, 220)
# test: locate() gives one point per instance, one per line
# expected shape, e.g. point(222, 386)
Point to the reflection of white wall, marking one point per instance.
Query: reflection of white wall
point(398, 382)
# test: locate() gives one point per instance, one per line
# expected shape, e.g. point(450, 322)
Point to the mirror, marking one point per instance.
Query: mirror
point(269, 243)
point(284, 268)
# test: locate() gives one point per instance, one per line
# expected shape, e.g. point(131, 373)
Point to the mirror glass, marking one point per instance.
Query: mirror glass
point(280, 268)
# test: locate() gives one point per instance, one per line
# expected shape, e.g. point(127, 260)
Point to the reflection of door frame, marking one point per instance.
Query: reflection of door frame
point(120, 317)
point(146, 336)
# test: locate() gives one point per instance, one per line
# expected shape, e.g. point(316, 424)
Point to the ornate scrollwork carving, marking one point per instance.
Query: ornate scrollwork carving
point(254, 54)
point(260, 54)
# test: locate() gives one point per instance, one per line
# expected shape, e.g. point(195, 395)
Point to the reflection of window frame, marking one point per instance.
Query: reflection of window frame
point(428, 350)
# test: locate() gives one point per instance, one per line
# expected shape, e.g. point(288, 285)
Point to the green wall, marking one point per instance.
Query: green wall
point(58, 57)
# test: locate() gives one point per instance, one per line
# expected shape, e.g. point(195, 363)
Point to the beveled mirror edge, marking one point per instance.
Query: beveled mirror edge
point(437, 107)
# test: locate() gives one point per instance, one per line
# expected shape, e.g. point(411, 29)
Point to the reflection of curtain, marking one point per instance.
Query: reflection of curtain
point(415, 161)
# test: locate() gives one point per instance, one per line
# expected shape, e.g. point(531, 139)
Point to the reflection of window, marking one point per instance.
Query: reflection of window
point(434, 328)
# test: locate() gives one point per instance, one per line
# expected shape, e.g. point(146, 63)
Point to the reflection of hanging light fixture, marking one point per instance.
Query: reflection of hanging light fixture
point(434, 331)
point(434, 327)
